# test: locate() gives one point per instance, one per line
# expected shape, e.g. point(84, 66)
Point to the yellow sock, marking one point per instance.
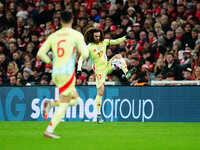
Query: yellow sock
point(57, 116)
point(124, 66)
point(73, 102)
point(98, 103)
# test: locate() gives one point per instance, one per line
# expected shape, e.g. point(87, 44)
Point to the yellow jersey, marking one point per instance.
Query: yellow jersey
point(64, 43)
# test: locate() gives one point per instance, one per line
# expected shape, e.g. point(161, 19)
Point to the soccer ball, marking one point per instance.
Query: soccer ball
point(116, 64)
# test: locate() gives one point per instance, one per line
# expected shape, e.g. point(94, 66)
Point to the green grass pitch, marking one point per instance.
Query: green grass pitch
point(107, 136)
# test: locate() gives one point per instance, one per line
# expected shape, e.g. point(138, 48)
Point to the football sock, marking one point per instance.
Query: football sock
point(58, 115)
point(98, 103)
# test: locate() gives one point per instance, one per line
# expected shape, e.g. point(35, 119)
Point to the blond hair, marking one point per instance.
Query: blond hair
point(10, 68)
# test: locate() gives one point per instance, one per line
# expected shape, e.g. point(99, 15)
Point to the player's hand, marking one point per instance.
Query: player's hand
point(78, 73)
point(128, 37)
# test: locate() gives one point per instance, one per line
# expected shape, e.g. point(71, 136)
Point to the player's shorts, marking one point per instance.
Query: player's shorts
point(65, 83)
point(101, 74)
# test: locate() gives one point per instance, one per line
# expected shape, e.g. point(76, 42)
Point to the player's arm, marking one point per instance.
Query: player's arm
point(116, 41)
point(82, 47)
point(42, 52)
point(80, 62)
point(83, 50)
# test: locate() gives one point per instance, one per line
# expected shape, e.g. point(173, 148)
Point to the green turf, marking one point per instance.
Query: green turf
point(107, 136)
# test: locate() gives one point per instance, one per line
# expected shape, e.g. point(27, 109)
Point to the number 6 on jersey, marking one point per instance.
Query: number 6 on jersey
point(60, 50)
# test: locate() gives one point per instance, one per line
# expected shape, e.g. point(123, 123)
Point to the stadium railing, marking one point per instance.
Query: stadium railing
point(174, 83)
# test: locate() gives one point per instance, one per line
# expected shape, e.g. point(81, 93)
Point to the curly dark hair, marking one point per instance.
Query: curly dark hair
point(89, 34)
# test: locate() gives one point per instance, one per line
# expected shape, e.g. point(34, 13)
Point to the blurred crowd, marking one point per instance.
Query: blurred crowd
point(164, 45)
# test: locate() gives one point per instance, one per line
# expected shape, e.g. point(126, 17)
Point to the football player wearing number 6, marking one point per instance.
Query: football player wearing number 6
point(65, 44)
point(97, 52)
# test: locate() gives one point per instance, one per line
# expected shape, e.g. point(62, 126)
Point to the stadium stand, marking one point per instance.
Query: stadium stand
point(164, 45)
